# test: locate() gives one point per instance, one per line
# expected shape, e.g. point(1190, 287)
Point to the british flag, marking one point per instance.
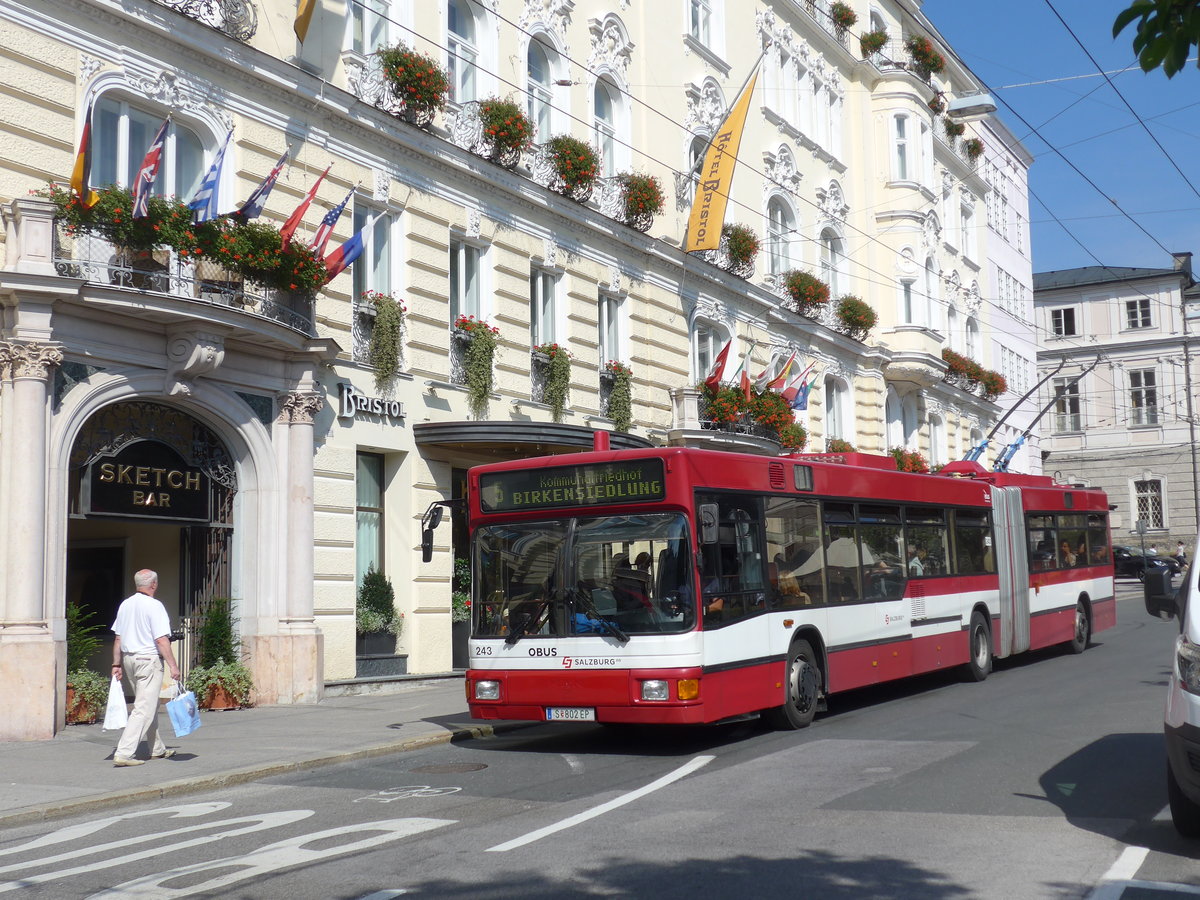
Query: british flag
point(144, 183)
point(325, 229)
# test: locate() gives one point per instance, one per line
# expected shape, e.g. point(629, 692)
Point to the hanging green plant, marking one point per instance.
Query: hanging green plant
point(558, 377)
point(843, 16)
point(478, 358)
point(383, 352)
point(855, 318)
point(620, 397)
point(973, 148)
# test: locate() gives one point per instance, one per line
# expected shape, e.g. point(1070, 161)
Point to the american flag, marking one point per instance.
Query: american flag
point(144, 182)
point(325, 229)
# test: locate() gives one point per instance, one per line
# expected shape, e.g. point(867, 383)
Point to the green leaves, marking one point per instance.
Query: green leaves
point(1166, 32)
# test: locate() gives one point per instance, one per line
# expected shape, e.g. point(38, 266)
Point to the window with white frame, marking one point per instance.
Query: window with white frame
point(894, 413)
point(541, 87)
point(932, 293)
point(707, 341)
point(1137, 313)
point(609, 326)
point(832, 262)
point(604, 125)
point(781, 84)
point(972, 336)
point(368, 26)
point(465, 273)
point(780, 226)
point(462, 45)
point(1143, 397)
point(122, 133)
point(908, 302)
point(937, 441)
point(1148, 495)
point(1062, 322)
point(926, 154)
point(952, 338)
point(543, 307)
point(700, 21)
point(697, 147)
point(372, 271)
point(835, 408)
point(368, 515)
point(966, 214)
point(1066, 405)
point(901, 151)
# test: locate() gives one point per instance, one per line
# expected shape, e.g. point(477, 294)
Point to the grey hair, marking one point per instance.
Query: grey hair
point(143, 578)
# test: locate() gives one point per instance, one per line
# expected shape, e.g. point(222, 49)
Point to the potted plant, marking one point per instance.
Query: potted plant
point(87, 691)
point(909, 460)
point(740, 245)
point(938, 104)
point(954, 130)
point(855, 318)
point(376, 620)
point(793, 437)
point(556, 363)
point(256, 251)
point(641, 200)
point(961, 371)
point(843, 16)
point(973, 149)
point(507, 131)
point(383, 352)
point(620, 394)
point(220, 680)
point(992, 385)
point(807, 294)
point(460, 612)
point(871, 42)
point(416, 80)
point(926, 60)
point(837, 445)
point(479, 352)
point(575, 164)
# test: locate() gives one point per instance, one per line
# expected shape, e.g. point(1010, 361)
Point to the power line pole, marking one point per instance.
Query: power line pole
point(1187, 386)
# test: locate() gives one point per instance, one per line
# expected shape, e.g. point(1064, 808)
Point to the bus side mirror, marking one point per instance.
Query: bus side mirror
point(427, 545)
point(431, 520)
point(708, 516)
point(1160, 598)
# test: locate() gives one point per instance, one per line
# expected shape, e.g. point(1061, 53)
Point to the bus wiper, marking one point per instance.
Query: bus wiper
point(589, 609)
point(518, 631)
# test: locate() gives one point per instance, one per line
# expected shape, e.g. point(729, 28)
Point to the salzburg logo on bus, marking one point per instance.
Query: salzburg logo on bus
point(590, 661)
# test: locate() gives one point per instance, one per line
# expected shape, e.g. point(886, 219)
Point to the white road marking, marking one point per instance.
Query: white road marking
point(689, 768)
point(1113, 882)
point(574, 762)
point(257, 863)
point(257, 823)
point(78, 832)
point(385, 895)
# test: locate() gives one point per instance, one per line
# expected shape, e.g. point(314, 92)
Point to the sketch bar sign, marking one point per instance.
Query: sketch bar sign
point(146, 479)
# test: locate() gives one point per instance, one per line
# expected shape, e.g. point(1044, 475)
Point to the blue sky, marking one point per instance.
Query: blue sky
point(1012, 43)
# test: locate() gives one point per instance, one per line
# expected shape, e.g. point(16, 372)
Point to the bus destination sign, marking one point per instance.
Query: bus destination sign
point(627, 481)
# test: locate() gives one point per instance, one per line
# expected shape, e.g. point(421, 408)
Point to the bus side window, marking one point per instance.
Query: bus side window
point(793, 544)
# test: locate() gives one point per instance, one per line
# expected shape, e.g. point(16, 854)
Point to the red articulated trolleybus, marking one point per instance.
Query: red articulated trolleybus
point(677, 585)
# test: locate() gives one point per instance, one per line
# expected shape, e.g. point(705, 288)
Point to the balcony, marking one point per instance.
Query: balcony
point(691, 428)
point(236, 19)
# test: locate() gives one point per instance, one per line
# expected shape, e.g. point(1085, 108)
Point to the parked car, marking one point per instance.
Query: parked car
point(1181, 723)
point(1128, 562)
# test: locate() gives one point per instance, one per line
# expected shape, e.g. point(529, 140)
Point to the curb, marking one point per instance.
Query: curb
point(242, 776)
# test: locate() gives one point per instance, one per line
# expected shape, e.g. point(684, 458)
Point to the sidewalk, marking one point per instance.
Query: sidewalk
point(74, 773)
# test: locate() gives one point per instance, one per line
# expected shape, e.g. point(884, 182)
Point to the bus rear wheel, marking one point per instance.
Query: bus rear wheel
point(979, 663)
point(1083, 629)
point(802, 690)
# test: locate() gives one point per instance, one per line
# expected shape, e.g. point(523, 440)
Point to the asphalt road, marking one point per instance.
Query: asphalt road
point(1046, 780)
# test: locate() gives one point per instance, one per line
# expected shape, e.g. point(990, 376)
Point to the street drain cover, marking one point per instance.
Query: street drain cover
point(452, 769)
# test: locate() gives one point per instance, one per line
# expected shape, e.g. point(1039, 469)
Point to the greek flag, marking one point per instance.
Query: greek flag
point(205, 204)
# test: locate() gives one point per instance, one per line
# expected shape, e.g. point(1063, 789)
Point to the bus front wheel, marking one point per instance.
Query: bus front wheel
point(1083, 629)
point(979, 664)
point(802, 689)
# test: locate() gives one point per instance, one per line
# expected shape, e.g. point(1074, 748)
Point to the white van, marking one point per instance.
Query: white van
point(1181, 724)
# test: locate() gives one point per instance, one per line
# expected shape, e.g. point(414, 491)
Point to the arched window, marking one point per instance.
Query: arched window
point(972, 339)
point(832, 263)
point(952, 328)
point(836, 397)
point(930, 291)
point(707, 340)
point(463, 48)
point(122, 135)
point(937, 441)
point(894, 411)
point(909, 420)
point(604, 124)
point(541, 63)
point(780, 227)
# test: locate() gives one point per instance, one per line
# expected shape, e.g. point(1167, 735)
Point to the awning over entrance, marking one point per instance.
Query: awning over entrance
point(509, 440)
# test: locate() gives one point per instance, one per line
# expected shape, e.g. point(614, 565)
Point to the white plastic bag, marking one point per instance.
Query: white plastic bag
point(117, 713)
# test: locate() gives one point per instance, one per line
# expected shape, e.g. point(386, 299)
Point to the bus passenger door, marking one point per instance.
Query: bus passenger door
point(1012, 566)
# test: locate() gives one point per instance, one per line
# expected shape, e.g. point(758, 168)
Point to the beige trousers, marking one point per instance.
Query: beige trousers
point(145, 673)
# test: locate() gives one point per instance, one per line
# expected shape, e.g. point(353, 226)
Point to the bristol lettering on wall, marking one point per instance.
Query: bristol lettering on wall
point(353, 403)
point(148, 480)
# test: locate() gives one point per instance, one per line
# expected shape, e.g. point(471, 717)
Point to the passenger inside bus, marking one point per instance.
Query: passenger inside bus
point(630, 585)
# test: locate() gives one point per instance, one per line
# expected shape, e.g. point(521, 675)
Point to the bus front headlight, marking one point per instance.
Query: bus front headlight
point(487, 690)
point(655, 690)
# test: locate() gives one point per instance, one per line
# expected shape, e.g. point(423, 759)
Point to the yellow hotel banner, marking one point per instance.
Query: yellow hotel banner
point(716, 177)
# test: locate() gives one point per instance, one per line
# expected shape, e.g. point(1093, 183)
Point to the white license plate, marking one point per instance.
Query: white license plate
point(570, 713)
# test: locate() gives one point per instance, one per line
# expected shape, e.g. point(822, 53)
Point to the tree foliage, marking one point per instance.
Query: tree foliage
point(1166, 32)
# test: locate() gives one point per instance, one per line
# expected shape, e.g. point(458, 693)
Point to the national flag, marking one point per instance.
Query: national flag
point(254, 204)
point(83, 166)
point(325, 229)
point(712, 193)
point(795, 384)
point(293, 222)
point(742, 374)
point(780, 380)
point(801, 401)
point(346, 254)
point(144, 182)
point(206, 204)
point(304, 14)
point(767, 375)
point(713, 381)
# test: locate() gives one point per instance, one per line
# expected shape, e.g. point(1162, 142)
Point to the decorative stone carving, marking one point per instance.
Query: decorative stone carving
point(780, 168)
point(549, 253)
point(974, 301)
point(300, 407)
point(931, 231)
point(553, 16)
point(88, 66)
point(474, 223)
point(614, 280)
point(705, 107)
point(191, 354)
point(832, 202)
point(611, 47)
point(31, 359)
point(383, 186)
point(185, 97)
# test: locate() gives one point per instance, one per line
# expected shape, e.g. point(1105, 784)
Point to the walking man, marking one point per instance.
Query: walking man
point(143, 642)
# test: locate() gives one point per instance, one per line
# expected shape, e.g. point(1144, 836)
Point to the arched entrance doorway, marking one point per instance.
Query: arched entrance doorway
point(150, 487)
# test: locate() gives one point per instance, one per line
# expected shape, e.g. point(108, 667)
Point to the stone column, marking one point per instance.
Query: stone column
point(288, 664)
point(29, 656)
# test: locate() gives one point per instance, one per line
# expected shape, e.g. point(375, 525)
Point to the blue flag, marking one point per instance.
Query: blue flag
point(346, 254)
point(254, 204)
point(204, 205)
point(801, 401)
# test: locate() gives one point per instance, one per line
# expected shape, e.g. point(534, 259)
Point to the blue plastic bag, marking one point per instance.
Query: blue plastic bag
point(184, 713)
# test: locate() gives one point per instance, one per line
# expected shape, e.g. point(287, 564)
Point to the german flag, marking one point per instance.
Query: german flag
point(83, 166)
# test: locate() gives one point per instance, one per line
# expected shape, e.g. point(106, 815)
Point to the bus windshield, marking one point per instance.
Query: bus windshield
point(597, 575)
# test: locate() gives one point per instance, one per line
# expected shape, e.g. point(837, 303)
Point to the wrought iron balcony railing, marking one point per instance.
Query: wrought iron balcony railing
point(236, 19)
